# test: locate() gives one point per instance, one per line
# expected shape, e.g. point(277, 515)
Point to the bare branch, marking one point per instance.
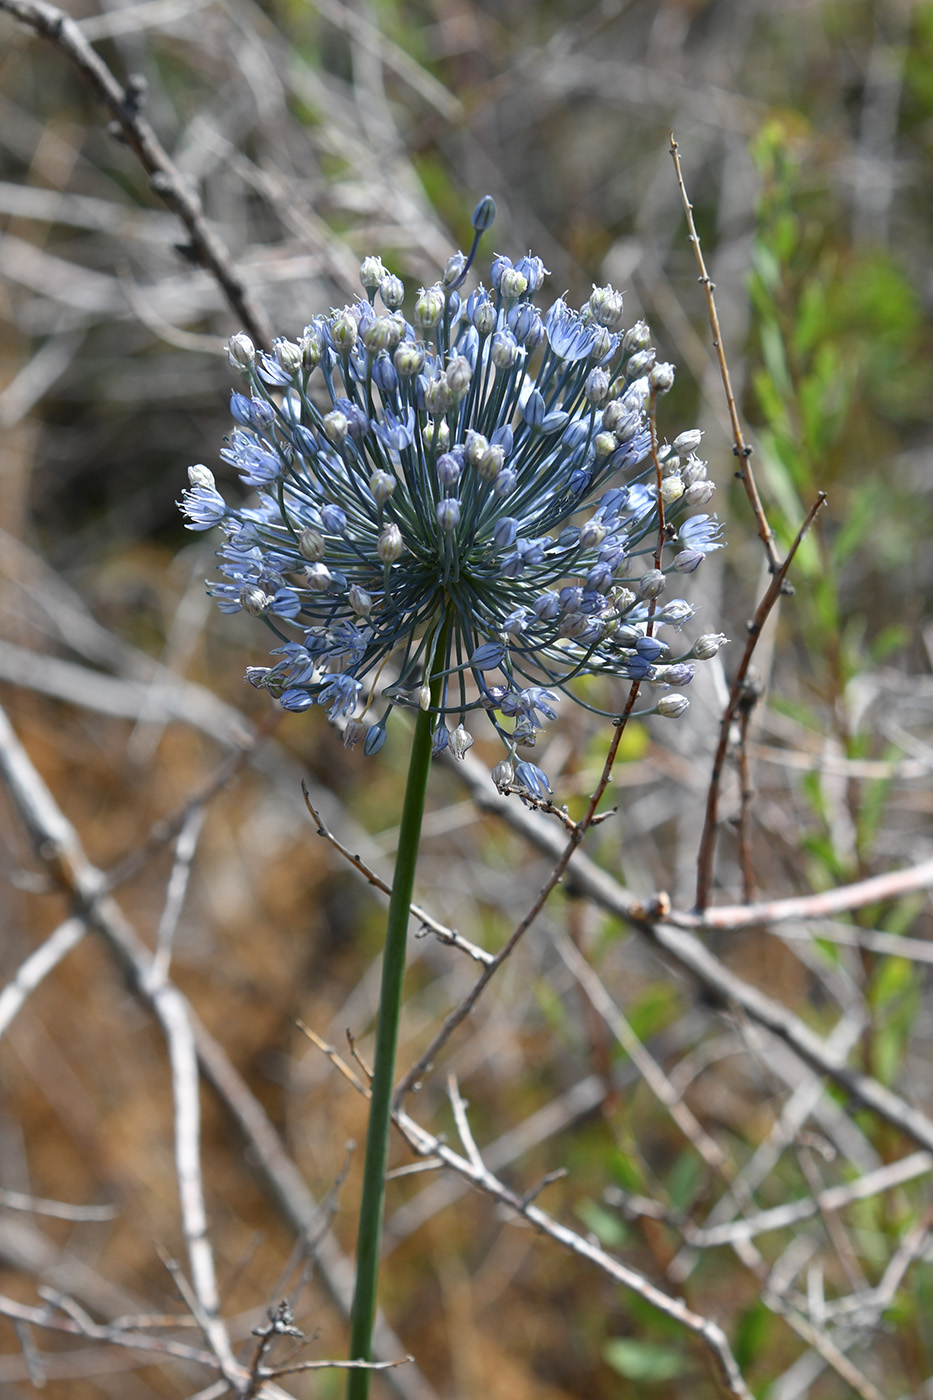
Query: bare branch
point(711, 821)
point(742, 451)
point(166, 180)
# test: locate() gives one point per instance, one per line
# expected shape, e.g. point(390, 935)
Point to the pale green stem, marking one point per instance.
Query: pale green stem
point(369, 1239)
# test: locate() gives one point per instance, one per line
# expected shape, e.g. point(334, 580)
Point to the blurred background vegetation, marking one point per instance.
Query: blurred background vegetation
point(318, 133)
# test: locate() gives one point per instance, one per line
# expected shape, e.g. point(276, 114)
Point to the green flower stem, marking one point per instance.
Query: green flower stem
point(369, 1240)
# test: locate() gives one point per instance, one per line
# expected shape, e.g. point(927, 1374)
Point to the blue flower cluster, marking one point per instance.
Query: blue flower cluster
point(471, 493)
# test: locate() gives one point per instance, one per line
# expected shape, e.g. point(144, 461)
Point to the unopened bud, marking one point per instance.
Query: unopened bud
point(241, 352)
point(661, 378)
point(318, 578)
point(360, 601)
point(389, 546)
point(438, 398)
point(688, 441)
point(707, 646)
point(672, 488)
point(381, 484)
point(311, 545)
point(513, 284)
point(392, 292)
point(335, 426)
point(372, 273)
point(606, 307)
point(651, 584)
point(429, 307)
point(288, 355)
point(637, 337)
point(700, 493)
point(344, 331)
point(199, 475)
point(459, 375)
point(503, 775)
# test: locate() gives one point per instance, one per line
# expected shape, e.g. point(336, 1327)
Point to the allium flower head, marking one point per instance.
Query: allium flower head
point(470, 494)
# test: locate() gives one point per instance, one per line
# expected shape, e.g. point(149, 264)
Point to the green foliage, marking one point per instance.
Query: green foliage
point(839, 337)
point(754, 1331)
point(609, 1228)
point(894, 995)
point(644, 1361)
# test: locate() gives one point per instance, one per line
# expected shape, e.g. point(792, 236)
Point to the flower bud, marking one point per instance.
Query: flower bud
point(605, 305)
point(440, 740)
point(360, 601)
point(375, 738)
point(254, 601)
point(675, 613)
point(335, 426)
point(353, 732)
point(372, 273)
point(199, 475)
point(409, 359)
point(449, 469)
point(312, 348)
point(661, 378)
point(672, 488)
point(601, 345)
point(389, 546)
point(485, 317)
point(380, 333)
point(637, 338)
point(651, 584)
point(503, 775)
point(344, 331)
point(504, 350)
point(459, 375)
point(288, 356)
point(687, 561)
point(429, 307)
point(681, 673)
point(707, 646)
point(312, 545)
point(436, 435)
point(615, 414)
point(461, 740)
point(597, 386)
point(484, 214)
point(381, 484)
point(318, 578)
point(700, 493)
point(592, 533)
point(476, 446)
point(447, 513)
point(241, 352)
point(392, 292)
point(693, 469)
point(639, 364)
point(455, 270)
point(688, 441)
point(491, 463)
point(672, 706)
point(513, 284)
point(438, 398)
